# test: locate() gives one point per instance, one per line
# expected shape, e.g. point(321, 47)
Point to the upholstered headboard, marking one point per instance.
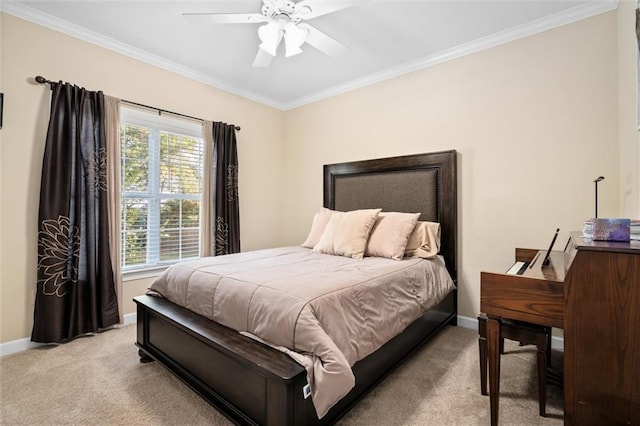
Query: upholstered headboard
point(424, 183)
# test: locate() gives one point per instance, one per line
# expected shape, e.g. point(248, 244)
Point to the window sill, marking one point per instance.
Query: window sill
point(140, 274)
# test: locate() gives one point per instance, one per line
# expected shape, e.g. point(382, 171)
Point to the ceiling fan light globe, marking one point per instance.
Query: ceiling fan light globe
point(292, 51)
point(270, 35)
point(294, 37)
point(270, 49)
point(268, 32)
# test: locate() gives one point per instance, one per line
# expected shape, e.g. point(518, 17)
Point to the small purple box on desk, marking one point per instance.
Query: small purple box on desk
point(607, 229)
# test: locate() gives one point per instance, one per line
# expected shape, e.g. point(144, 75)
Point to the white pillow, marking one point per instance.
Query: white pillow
point(424, 241)
point(320, 221)
point(346, 233)
point(390, 234)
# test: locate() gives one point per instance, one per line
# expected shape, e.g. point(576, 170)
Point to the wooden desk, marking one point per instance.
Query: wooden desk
point(537, 297)
point(592, 291)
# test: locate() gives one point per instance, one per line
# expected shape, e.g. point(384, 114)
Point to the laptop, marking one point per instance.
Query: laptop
point(519, 268)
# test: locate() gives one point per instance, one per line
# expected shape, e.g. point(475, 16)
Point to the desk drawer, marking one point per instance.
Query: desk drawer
point(522, 298)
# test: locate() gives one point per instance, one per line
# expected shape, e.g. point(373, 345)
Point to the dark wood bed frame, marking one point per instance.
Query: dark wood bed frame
point(251, 383)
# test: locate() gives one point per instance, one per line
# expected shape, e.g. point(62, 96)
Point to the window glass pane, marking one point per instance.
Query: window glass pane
point(179, 229)
point(168, 163)
point(169, 244)
point(191, 166)
point(170, 214)
point(134, 252)
point(190, 213)
point(190, 243)
point(134, 232)
point(190, 238)
point(180, 164)
point(135, 213)
point(135, 158)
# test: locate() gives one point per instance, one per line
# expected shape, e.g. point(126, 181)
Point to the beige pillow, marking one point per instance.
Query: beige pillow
point(390, 234)
point(424, 241)
point(346, 233)
point(320, 221)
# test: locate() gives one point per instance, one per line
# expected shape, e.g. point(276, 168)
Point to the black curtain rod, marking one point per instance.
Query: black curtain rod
point(40, 79)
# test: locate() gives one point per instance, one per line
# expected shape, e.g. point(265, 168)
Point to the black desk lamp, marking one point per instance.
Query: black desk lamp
point(598, 179)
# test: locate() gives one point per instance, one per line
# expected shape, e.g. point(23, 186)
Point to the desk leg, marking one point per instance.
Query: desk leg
point(482, 350)
point(493, 343)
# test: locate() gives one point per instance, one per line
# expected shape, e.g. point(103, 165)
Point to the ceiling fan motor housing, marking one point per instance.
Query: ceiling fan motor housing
point(283, 11)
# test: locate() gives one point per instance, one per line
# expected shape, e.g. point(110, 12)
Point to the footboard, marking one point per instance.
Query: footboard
point(252, 383)
point(249, 382)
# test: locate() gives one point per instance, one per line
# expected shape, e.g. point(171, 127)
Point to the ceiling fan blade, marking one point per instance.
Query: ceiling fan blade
point(309, 9)
point(263, 59)
point(225, 18)
point(323, 42)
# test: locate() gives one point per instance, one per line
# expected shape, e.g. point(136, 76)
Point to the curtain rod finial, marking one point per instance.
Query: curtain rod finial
point(40, 79)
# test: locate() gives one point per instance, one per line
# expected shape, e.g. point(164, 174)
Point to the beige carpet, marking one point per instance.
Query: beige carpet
point(97, 380)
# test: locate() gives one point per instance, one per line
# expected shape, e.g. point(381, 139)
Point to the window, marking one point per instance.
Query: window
point(161, 189)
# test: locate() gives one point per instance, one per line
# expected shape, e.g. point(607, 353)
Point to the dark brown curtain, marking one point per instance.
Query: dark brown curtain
point(75, 289)
point(638, 25)
point(227, 210)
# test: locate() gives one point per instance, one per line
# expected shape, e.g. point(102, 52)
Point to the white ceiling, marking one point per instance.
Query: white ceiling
point(385, 38)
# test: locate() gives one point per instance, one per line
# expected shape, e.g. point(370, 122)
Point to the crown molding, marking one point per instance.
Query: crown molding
point(550, 22)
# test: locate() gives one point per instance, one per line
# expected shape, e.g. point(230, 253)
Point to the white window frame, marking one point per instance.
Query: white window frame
point(156, 124)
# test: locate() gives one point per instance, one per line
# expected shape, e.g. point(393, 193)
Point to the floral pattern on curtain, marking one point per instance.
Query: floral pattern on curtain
point(227, 207)
point(75, 288)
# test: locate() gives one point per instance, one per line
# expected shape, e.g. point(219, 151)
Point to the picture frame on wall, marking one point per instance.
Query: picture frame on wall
point(1, 105)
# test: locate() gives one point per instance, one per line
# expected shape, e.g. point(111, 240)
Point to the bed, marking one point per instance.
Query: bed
point(252, 383)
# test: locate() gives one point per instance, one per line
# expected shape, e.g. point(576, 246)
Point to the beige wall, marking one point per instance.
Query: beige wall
point(629, 136)
point(534, 122)
point(29, 50)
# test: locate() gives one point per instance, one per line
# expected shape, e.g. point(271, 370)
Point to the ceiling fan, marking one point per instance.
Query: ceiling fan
point(282, 19)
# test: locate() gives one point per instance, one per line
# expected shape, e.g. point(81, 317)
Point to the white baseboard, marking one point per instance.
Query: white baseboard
point(472, 323)
point(466, 322)
point(130, 318)
point(20, 345)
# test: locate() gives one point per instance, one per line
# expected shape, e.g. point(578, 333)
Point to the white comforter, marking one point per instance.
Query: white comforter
point(326, 311)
